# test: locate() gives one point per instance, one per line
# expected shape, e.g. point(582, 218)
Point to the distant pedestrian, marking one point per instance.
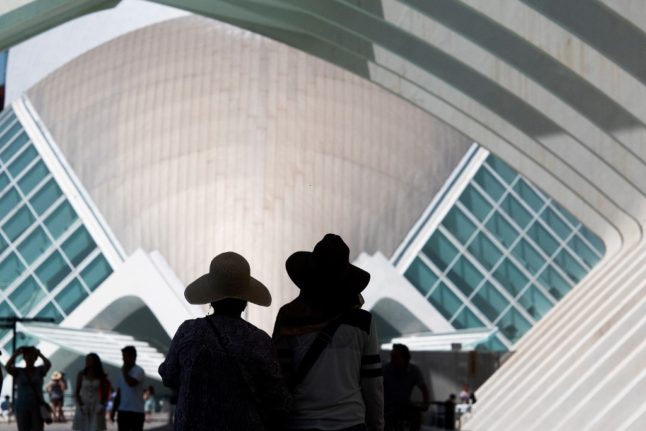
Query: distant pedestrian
point(29, 388)
point(128, 404)
point(223, 367)
point(149, 403)
point(56, 391)
point(6, 408)
point(92, 394)
point(328, 345)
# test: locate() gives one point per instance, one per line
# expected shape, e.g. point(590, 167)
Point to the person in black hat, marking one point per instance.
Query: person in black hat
point(327, 345)
point(223, 368)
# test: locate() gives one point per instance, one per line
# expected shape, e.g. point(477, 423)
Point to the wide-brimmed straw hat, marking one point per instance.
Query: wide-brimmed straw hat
point(57, 375)
point(327, 269)
point(229, 277)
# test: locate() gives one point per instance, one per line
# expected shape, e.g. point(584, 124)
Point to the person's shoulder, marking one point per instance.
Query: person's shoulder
point(359, 318)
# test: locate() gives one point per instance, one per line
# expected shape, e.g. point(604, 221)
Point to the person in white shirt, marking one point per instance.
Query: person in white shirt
point(129, 402)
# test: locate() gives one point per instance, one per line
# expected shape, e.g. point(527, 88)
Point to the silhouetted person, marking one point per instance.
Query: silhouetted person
point(449, 413)
point(129, 402)
point(56, 391)
point(29, 387)
point(223, 367)
point(149, 403)
point(6, 408)
point(400, 378)
point(92, 395)
point(327, 345)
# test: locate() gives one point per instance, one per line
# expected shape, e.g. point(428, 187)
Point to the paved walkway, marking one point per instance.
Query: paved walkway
point(158, 424)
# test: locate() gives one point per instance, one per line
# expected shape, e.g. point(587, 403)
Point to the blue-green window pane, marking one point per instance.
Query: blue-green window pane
point(71, 296)
point(515, 210)
point(32, 178)
point(3, 244)
point(27, 295)
point(543, 238)
point(50, 311)
point(8, 202)
point(535, 303)
point(466, 319)
point(527, 194)
point(421, 276)
point(21, 162)
point(46, 196)
point(445, 301)
point(464, 276)
point(97, 271)
point(527, 255)
point(489, 301)
point(554, 283)
point(34, 245)
point(493, 344)
point(489, 183)
point(61, 219)
point(501, 168)
point(5, 311)
point(440, 250)
point(593, 239)
point(18, 223)
point(473, 200)
point(485, 251)
point(510, 277)
point(502, 229)
point(7, 150)
point(4, 181)
point(582, 250)
point(53, 270)
point(513, 325)
point(555, 222)
point(78, 246)
point(570, 266)
point(7, 116)
point(565, 213)
point(10, 269)
point(459, 225)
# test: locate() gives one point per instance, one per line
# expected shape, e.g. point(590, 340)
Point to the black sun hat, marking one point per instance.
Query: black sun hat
point(327, 269)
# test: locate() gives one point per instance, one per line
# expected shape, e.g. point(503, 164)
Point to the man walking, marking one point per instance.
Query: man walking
point(129, 402)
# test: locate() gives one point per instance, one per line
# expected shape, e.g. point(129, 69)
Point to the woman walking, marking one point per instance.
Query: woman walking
point(327, 345)
point(92, 393)
point(56, 390)
point(222, 366)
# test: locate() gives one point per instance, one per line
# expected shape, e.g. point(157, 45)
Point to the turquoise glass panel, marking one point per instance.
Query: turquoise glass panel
point(96, 271)
point(31, 179)
point(78, 246)
point(501, 168)
point(535, 303)
point(528, 195)
point(485, 251)
point(593, 239)
point(489, 301)
point(582, 250)
point(459, 225)
point(527, 256)
point(464, 276)
point(52, 271)
point(34, 245)
point(465, 319)
point(570, 266)
point(565, 213)
point(3, 244)
point(515, 210)
point(8, 202)
point(50, 311)
point(421, 276)
point(6, 311)
point(513, 325)
point(60, 219)
point(5, 137)
point(444, 301)
point(14, 148)
point(555, 223)
point(552, 281)
point(510, 277)
point(440, 250)
point(10, 269)
point(18, 223)
point(45, 197)
point(21, 162)
point(27, 295)
point(71, 296)
point(489, 183)
point(473, 200)
point(493, 344)
point(502, 229)
point(543, 238)
point(4, 181)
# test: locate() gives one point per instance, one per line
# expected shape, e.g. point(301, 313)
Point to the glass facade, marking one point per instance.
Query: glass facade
point(49, 262)
point(503, 255)
point(3, 75)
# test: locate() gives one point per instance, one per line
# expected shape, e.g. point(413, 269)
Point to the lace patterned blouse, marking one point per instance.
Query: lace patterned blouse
point(212, 392)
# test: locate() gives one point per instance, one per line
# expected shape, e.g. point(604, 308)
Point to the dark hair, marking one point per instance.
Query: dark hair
point(98, 366)
point(229, 305)
point(403, 349)
point(130, 350)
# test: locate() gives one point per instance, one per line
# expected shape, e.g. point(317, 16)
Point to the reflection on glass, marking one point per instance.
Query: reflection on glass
point(78, 246)
point(440, 250)
point(34, 245)
point(502, 229)
point(18, 223)
point(466, 319)
point(485, 251)
point(50, 311)
point(535, 303)
point(459, 225)
point(489, 184)
point(473, 200)
point(490, 301)
point(71, 296)
point(61, 219)
point(513, 325)
point(52, 271)
point(32, 178)
point(96, 271)
point(27, 295)
point(501, 168)
point(45, 197)
point(464, 276)
point(444, 301)
point(510, 277)
point(421, 276)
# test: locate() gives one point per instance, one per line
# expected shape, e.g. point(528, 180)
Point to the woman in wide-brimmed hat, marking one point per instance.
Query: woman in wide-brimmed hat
point(327, 344)
point(222, 366)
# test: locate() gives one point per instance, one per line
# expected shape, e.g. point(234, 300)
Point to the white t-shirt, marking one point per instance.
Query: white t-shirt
point(132, 397)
